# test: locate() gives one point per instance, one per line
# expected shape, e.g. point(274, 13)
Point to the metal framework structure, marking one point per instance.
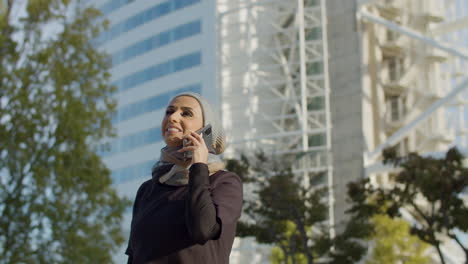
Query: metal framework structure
point(274, 81)
point(275, 88)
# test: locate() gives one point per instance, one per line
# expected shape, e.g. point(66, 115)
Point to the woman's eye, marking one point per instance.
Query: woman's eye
point(185, 113)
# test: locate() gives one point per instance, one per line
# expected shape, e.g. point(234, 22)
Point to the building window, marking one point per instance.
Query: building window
point(160, 70)
point(143, 17)
point(391, 35)
point(133, 141)
point(311, 2)
point(316, 103)
point(317, 140)
point(318, 178)
point(151, 104)
point(314, 33)
point(132, 172)
point(396, 108)
point(157, 41)
point(113, 5)
point(395, 68)
point(314, 68)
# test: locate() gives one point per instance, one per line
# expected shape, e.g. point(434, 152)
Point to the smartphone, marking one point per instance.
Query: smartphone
point(205, 132)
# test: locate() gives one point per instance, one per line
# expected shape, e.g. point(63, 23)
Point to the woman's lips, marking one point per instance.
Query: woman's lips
point(172, 130)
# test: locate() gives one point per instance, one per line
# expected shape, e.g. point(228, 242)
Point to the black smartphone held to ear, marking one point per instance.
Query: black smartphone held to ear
point(205, 132)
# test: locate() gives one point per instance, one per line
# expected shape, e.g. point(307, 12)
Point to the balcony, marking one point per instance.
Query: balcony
point(436, 57)
point(392, 49)
point(389, 11)
point(394, 88)
point(432, 17)
point(393, 126)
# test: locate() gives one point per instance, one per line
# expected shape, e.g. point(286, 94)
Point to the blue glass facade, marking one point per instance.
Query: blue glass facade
point(131, 172)
point(113, 5)
point(179, 60)
point(151, 104)
point(143, 17)
point(160, 70)
point(162, 39)
point(134, 141)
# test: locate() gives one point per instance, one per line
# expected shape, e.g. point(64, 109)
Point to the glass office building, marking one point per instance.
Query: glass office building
point(158, 49)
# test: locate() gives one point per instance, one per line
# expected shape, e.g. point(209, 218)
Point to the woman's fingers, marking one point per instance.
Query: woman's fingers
point(197, 136)
point(198, 147)
point(188, 148)
point(193, 139)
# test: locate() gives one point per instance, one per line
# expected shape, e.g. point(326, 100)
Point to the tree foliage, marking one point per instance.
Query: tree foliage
point(393, 243)
point(351, 244)
point(431, 189)
point(280, 211)
point(278, 254)
point(57, 204)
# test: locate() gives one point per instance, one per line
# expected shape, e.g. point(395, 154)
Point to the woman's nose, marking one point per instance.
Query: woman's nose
point(173, 117)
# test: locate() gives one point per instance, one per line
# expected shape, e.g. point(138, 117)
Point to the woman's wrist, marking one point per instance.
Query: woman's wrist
point(198, 174)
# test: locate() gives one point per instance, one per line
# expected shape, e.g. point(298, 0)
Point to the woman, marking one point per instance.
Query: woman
point(187, 212)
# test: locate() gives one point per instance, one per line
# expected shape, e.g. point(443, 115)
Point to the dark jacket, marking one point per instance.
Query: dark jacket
point(195, 223)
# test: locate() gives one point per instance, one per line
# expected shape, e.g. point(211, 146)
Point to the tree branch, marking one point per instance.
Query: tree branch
point(441, 256)
point(285, 252)
point(421, 213)
point(9, 4)
point(305, 238)
point(465, 250)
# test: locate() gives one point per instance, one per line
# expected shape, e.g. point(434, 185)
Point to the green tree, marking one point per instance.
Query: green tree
point(393, 243)
point(57, 204)
point(280, 211)
point(350, 245)
point(431, 189)
point(278, 253)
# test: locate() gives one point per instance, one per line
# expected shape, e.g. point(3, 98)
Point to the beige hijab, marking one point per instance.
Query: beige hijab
point(178, 174)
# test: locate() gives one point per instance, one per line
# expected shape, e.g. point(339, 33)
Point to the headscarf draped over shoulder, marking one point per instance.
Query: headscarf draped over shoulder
point(172, 169)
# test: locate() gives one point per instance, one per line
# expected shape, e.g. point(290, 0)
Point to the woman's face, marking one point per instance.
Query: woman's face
point(183, 114)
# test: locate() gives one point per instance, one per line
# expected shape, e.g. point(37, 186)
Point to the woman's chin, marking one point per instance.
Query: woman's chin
point(173, 142)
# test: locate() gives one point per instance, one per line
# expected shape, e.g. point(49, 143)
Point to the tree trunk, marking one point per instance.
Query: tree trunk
point(465, 250)
point(292, 248)
point(286, 254)
point(301, 227)
point(440, 253)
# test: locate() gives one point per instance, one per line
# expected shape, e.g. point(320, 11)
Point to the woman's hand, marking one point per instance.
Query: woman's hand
point(198, 148)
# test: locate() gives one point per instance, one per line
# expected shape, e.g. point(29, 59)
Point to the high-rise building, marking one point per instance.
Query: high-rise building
point(326, 83)
point(158, 49)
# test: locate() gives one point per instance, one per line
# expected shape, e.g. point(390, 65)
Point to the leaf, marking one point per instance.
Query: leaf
point(57, 200)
